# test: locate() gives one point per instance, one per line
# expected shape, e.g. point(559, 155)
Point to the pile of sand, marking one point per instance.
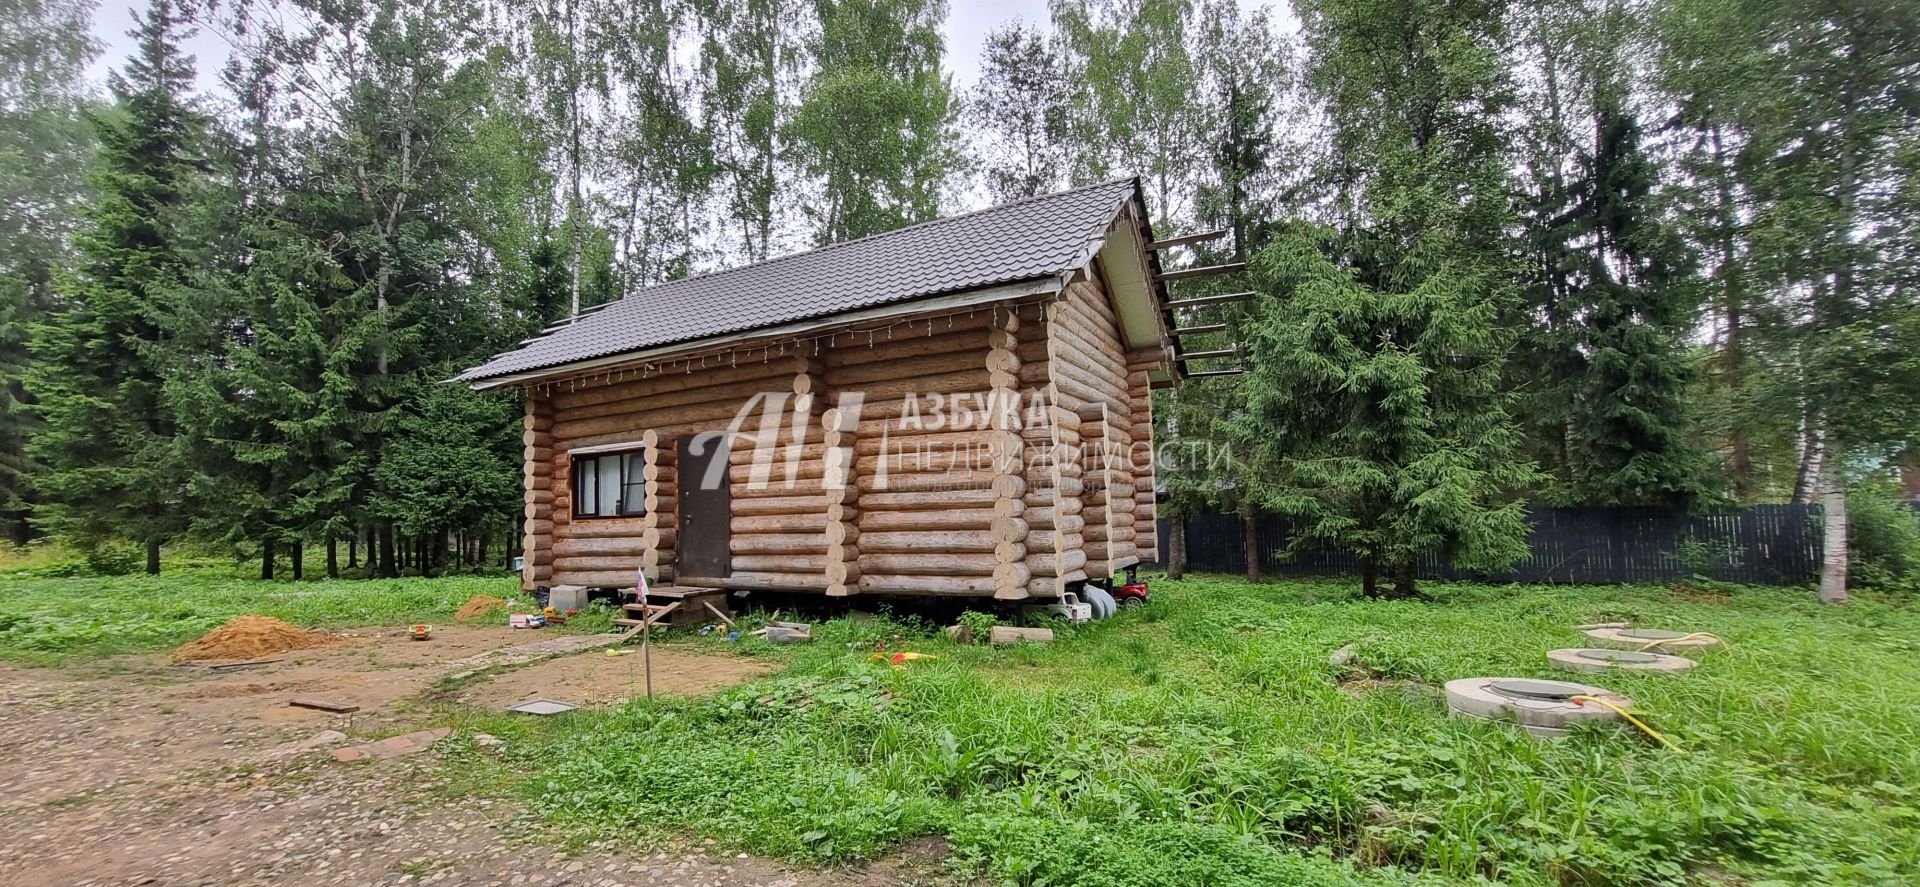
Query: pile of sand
point(479, 605)
point(252, 637)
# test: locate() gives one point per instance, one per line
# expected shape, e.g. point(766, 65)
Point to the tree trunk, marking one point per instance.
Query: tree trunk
point(388, 569)
point(333, 558)
point(1177, 548)
point(1733, 309)
point(1405, 586)
point(1910, 472)
point(1806, 478)
point(353, 548)
point(1833, 542)
point(1250, 524)
point(266, 559)
point(1370, 575)
point(153, 557)
point(299, 561)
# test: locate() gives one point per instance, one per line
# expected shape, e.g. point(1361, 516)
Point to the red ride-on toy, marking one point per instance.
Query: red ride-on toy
point(1131, 594)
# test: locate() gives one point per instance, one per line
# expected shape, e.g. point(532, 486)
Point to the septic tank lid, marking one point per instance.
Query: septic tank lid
point(1543, 691)
point(1615, 655)
point(1652, 634)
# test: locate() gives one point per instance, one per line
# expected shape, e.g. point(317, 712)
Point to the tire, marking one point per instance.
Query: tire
point(1103, 605)
point(1130, 601)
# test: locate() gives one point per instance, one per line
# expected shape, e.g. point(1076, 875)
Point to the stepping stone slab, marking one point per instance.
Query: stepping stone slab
point(542, 707)
point(1598, 659)
point(393, 746)
point(1651, 640)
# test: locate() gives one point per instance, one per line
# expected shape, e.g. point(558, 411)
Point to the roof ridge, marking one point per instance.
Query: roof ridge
point(717, 272)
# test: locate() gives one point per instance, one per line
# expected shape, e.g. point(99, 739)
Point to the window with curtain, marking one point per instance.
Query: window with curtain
point(610, 485)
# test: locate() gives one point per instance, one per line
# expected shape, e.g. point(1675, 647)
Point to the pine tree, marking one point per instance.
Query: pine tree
point(113, 464)
point(270, 413)
point(1245, 74)
point(1378, 352)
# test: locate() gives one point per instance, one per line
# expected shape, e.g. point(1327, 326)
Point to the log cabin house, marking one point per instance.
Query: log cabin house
point(959, 407)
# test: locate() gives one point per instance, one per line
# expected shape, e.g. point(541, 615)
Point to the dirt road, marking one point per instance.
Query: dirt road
point(137, 771)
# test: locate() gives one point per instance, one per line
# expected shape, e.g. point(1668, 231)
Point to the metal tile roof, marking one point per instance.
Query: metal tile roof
point(1026, 240)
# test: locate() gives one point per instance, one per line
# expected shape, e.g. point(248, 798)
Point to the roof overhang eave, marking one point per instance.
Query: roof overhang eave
point(979, 296)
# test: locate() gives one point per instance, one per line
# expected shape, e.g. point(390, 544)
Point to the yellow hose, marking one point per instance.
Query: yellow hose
point(1682, 639)
point(1578, 700)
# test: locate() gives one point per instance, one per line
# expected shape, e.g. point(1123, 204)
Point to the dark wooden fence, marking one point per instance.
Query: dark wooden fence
point(1762, 545)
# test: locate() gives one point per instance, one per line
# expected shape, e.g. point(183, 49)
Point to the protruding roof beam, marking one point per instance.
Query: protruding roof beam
point(1206, 271)
point(1198, 301)
point(1205, 373)
point(1197, 330)
point(1202, 355)
point(1186, 239)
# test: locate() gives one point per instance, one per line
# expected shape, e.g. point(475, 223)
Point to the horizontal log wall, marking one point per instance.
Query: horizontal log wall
point(982, 491)
point(919, 459)
point(652, 411)
point(785, 457)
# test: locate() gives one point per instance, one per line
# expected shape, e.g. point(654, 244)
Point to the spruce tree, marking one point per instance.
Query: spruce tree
point(1610, 284)
point(114, 467)
point(1608, 366)
point(1375, 395)
point(270, 412)
point(44, 144)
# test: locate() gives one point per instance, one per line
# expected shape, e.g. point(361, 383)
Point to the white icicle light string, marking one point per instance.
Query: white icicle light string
point(767, 351)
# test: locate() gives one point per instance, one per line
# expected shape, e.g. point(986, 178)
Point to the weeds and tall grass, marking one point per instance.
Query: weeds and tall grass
point(1206, 740)
point(47, 620)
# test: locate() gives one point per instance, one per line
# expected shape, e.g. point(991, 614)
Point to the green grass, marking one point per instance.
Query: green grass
point(52, 621)
point(1206, 740)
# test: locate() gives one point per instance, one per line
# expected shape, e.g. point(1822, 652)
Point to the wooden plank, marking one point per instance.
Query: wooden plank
point(326, 705)
point(1205, 271)
point(1197, 330)
point(1205, 373)
point(1198, 301)
point(1186, 239)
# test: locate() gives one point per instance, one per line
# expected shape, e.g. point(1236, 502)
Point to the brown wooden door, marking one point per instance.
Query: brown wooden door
point(706, 506)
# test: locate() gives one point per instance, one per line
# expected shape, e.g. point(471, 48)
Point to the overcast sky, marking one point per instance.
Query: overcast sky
point(968, 22)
